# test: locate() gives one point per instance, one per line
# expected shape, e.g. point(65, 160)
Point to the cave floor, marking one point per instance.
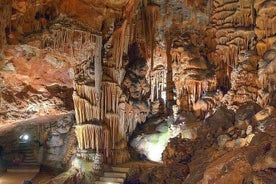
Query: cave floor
point(16, 177)
point(41, 177)
point(44, 176)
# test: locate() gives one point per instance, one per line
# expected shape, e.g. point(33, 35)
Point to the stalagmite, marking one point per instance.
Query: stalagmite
point(98, 68)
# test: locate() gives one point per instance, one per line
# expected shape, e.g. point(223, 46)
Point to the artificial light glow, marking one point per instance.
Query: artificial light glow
point(76, 162)
point(25, 137)
point(152, 146)
point(164, 96)
point(155, 152)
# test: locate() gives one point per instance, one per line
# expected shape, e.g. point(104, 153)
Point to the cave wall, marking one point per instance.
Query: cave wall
point(52, 141)
point(34, 83)
point(240, 33)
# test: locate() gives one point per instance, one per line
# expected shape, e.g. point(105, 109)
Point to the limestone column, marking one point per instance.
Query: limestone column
point(169, 77)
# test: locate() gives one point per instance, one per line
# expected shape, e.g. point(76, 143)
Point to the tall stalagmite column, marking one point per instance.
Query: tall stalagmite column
point(92, 135)
point(170, 83)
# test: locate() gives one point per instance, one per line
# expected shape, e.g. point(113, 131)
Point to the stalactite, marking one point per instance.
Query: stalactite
point(91, 136)
point(150, 16)
point(84, 110)
point(113, 124)
point(122, 120)
point(88, 93)
point(119, 45)
point(73, 42)
point(241, 4)
point(111, 95)
point(98, 66)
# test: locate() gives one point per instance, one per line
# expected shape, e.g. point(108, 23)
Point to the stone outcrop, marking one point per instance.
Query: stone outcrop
point(243, 81)
point(266, 73)
point(191, 73)
point(178, 150)
point(34, 83)
point(231, 31)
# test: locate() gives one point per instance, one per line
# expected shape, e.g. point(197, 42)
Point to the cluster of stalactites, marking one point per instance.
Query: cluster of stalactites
point(119, 45)
point(158, 84)
point(190, 91)
point(87, 92)
point(110, 97)
point(149, 18)
point(93, 137)
point(232, 31)
point(84, 111)
point(265, 26)
point(89, 107)
point(85, 102)
point(114, 110)
point(79, 44)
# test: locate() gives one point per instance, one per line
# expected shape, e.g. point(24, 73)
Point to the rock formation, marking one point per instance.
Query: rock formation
point(96, 83)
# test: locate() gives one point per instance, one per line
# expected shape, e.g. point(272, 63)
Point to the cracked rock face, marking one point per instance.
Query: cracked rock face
point(135, 82)
point(34, 83)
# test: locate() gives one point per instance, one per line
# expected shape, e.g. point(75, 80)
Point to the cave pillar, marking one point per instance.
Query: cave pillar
point(92, 136)
point(169, 76)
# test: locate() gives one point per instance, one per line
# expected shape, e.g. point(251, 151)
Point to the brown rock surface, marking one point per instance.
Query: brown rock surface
point(117, 61)
point(34, 83)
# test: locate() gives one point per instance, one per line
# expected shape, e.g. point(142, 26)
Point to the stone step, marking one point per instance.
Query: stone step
point(29, 158)
point(25, 145)
point(118, 180)
point(29, 154)
point(29, 164)
point(29, 161)
point(115, 174)
point(25, 149)
point(105, 182)
point(120, 169)
point(24, 169)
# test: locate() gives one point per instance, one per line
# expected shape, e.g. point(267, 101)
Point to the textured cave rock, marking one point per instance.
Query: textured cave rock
point(209, 65)
point(135, 82)
point(53, 140)
point(34, 83)
point(178, 151)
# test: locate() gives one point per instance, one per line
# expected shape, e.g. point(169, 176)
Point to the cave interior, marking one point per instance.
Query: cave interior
point(137, 91)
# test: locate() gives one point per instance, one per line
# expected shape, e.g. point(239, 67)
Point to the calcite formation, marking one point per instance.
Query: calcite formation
point(193, 79)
